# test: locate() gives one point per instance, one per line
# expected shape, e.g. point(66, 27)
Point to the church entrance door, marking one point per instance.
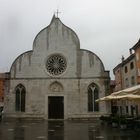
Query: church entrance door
point(56, 107)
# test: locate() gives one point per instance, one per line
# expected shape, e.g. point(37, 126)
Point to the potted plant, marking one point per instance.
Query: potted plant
point(123, 123)
point(105, 119)
point(115, 121)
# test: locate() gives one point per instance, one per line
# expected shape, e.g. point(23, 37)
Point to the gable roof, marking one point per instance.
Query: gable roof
point(136, 45)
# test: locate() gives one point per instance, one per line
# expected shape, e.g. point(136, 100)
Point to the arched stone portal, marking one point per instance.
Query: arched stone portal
point(55, 107)
point(55, 101)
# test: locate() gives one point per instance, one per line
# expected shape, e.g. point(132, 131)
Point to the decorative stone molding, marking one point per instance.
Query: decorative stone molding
point(56, 87)
point(56, 64)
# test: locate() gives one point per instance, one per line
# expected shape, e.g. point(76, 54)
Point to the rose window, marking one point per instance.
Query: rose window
point(56, 64)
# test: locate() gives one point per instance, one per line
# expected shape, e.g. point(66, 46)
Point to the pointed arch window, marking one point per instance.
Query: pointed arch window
point(93, 94)
point(20, 93)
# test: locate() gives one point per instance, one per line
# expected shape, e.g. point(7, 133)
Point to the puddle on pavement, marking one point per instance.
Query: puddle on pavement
point(63, 130)
point(41, 137)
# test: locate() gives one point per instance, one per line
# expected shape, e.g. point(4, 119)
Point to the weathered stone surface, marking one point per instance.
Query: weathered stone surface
point(83, 68)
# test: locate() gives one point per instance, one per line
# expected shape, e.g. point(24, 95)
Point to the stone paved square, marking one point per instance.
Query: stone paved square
point(63, 130)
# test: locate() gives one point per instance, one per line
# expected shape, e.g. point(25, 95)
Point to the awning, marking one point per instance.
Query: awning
point(131, 90)
point(132, 93)
point(131, 97)
point(110, 97)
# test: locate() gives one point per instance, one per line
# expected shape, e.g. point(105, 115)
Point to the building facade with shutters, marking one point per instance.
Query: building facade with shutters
point(4, 80)
point(127, 74)
point(57, 79)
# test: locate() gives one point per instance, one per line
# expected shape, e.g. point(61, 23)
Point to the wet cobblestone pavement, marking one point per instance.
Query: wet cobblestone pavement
point(63, 130)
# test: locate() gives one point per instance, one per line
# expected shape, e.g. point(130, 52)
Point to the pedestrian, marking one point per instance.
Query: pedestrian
point(1, 112)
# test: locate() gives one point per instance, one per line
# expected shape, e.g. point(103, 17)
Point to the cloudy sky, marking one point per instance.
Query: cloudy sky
point(109, 28)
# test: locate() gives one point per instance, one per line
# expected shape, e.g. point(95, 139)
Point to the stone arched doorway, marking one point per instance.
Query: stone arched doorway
point(56, 101)
point(55, 107)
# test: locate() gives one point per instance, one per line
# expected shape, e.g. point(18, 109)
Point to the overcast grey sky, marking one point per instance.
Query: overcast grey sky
point(108, 28)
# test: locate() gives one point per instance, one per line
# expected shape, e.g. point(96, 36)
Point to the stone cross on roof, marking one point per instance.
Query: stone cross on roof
point(57, 12)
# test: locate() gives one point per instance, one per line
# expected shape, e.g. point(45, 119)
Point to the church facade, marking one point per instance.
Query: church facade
point(57, 79)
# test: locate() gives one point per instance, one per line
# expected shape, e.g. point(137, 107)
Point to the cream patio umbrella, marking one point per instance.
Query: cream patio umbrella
point(132, 93)
point(131, 97)
point(131, 90)
point(110, 97)
point(119, 97)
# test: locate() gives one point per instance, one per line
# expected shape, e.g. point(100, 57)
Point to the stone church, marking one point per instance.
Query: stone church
point(56, 79)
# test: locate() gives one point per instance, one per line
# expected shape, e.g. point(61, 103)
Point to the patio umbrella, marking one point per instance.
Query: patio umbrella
point(110, 97)
point(132, 93)
point(119, 97)
point(101, 99)
point(131, 90)
point(131, 97)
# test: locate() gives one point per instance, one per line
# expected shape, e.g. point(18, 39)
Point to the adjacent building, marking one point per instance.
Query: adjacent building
point(136, 49)
point(127, 74)
point(3, 86)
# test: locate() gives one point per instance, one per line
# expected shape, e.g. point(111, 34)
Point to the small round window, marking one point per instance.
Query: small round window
point(56, 64)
